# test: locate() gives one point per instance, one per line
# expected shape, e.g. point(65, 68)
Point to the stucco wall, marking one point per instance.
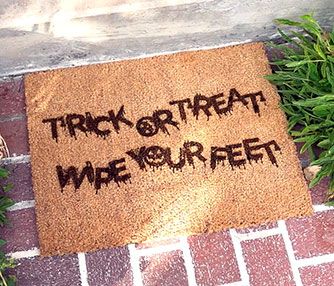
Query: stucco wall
point(37, 35)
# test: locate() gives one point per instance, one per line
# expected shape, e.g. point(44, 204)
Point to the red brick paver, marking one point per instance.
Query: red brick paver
point(49, 271)
point(21, 233)
point(164, 269)
point(20, 177)
point(12, 97)
point(109, 267)
point(319, 275)
point(312, 236)
point(259, 253)
point(214, 259)
point(15, 134)
point(267, 261)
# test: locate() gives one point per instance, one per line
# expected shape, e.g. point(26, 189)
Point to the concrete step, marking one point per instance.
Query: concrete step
point(43, 35)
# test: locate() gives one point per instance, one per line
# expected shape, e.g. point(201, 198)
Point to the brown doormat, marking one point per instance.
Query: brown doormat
point(173, 145)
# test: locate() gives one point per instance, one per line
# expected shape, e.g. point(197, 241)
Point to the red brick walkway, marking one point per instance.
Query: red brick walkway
point(292, 252)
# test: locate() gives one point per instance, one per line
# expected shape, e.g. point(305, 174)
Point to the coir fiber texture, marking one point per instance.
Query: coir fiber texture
point(172, 145)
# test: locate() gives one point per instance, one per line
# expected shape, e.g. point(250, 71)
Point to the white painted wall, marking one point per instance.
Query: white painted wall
point(38, 35)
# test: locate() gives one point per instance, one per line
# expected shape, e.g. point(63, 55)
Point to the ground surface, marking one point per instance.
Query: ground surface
point(292, 252)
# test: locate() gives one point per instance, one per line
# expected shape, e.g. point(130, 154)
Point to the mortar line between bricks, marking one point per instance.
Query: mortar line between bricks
point(13, 117)
point(159, 249)
point(240, 258)
point(188, 261)
point(135, 265)
point(258, 234)
point(289, 250)
point(25, 253)
point(15, 160)
point(322, 208)
point(22, 205)
point(83, 269)
point(316, 260)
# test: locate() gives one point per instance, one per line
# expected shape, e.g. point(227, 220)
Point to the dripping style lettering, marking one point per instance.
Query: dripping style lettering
point(150, 125)
point(159, 121)
point(95, 176)
point(156, 157)
point(238, 154)
point(208, 105)
point(75, 123)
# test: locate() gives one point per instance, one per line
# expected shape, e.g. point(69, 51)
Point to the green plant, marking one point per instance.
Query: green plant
point(5, 203)
point(305, 80)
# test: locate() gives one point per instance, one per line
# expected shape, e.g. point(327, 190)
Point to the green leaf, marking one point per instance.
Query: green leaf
point(320, 175)
point(324, 144)
point(8, 187)
point(319, 51)
point(288, 110)
point(323, 161)
point(330, 203)
point(309, 18)
point(303, 139)
point(287, 22)
point(311, 102)
point(297, 63)
point(4, 173)
point(2, 242)
point(308, 143)
point(330, 75)
point(312, 72)
point(288, 38)
point(323, 110)
point(5, 202)
point(11, 280)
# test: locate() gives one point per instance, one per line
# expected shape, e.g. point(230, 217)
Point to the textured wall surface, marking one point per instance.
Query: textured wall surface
point(38, 35)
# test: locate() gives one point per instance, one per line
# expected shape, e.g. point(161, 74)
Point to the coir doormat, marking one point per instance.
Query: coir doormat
point(173, 145)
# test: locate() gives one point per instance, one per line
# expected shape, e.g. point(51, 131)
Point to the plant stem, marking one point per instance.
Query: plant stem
point(3, 279)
